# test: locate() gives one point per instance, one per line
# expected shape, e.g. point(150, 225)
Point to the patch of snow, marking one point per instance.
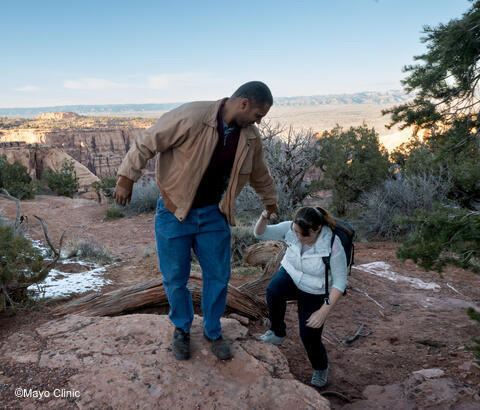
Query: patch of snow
point(59, 284)
point(430, 373)
point(384, 270)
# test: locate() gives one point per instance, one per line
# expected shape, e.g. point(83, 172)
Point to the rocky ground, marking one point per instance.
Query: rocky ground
point(409, 328)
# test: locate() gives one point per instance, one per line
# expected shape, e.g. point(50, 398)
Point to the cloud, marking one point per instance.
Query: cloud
point(92, 84)
point(27, 88)
point(164, 81)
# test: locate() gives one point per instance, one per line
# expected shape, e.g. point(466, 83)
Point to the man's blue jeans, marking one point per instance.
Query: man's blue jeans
point(206, 230)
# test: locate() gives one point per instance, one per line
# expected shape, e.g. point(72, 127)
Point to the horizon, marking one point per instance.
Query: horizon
point(385, 92)
point(106, 53)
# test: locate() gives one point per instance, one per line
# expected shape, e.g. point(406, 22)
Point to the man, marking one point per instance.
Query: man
point(207, 152)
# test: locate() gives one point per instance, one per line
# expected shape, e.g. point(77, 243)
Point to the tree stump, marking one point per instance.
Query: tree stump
point(261, 253)
point(258, 287)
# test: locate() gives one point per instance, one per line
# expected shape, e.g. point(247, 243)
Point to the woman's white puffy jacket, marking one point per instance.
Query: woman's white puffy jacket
point(308, 270)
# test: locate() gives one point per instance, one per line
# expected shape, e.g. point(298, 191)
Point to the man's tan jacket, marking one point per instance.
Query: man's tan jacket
point(184, 140)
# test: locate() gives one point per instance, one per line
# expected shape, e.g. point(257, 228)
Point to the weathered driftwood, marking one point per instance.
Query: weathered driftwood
point(258, 287)
point(261, 253)
point(152, 294)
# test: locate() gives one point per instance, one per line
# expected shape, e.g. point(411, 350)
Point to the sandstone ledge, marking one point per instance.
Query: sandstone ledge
point(126, 362)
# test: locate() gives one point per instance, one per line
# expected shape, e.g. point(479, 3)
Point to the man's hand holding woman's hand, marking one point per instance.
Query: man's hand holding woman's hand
point(123, 190)
point(270, 212)
point(267, 216)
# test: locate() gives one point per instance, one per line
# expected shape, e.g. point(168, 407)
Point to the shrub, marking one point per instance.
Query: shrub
point(86, 249)
point(15, 179)
point(248, 202)
point(21, 265)
point(444, 235)
point(106, 186)
point(353, 162)
point(289, 155)
point(64, 181)
point(378, 208)
point(241, 237)
point(144, 197)
point(114, 213)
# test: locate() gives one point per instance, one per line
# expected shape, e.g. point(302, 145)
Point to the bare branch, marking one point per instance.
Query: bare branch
point(7, 296)
point(337, 394)
point(366, 295)
point(49, 241)
point(356, 335)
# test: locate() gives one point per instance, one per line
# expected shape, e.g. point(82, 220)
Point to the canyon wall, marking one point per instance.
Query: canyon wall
point(99, 150)
point(37, 158)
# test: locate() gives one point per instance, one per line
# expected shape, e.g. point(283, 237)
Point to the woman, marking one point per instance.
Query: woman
point(301, 277)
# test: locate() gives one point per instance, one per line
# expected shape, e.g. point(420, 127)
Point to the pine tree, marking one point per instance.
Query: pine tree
point(446, 108)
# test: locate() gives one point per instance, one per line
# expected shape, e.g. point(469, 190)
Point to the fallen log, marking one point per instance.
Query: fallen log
point(261, 253)
point(152, 294)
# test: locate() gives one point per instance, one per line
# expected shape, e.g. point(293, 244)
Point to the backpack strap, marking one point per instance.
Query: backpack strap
point(352, 257)
point(326, 261)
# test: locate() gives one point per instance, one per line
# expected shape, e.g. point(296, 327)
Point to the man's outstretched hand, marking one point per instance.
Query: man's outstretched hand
point(123, 190)
point(272, 211)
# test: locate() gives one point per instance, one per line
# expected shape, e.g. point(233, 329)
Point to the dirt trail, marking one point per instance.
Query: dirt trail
point(413, 329)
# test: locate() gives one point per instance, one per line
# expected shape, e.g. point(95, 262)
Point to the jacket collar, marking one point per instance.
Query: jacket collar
point(210, 119)
point(211, 115)
point(322, 245)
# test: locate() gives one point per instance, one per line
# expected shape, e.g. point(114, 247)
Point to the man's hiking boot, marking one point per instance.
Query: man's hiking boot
point(270, 337)
point(220, 347)
point(319, 377)
point(181, 344)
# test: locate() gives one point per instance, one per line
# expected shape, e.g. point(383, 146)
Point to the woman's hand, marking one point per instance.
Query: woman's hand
point(262, 222)
point(317, 318)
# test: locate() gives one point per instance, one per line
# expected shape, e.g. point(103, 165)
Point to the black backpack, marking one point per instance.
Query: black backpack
point(346, 234)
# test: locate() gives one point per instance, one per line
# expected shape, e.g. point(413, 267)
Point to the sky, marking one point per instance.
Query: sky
point(134, 52)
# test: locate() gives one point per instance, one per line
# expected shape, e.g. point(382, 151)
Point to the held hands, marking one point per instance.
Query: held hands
point(271, 212)
point(266, 216)
point(123, 190)
point(318, 317)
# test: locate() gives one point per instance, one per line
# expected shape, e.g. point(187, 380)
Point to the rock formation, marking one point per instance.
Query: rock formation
point(57, 116)
point(126, 362)
point(98, 144)
point(38, 158)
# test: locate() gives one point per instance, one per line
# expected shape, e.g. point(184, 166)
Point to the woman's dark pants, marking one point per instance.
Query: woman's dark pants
point(279, 291)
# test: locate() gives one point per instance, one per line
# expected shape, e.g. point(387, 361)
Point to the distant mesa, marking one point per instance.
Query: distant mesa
point(57, 116)
point(389, 97)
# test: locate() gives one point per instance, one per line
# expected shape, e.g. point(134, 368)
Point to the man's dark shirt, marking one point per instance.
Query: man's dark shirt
point(216, 177)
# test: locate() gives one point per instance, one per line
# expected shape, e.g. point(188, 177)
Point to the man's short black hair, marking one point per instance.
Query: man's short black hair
point(257, 92)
